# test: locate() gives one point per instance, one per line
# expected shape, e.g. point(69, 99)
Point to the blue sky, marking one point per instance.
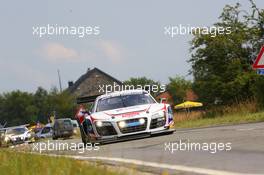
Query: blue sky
point(131, 41)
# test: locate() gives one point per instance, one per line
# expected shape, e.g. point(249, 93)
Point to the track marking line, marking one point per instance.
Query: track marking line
point(249, 129)
point(162, 165)
point(246, 129)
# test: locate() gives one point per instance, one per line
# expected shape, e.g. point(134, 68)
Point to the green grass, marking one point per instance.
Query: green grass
point(226, 119)
point(13, 163)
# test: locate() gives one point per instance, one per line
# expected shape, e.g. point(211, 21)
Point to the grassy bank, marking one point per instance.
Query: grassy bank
point(13, 163)
point(225, 119)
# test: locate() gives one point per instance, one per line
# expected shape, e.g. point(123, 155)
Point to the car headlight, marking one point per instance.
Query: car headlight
point(6, 139)
point(28, 135)
point(122, 124)
point(99, 123)
point(141, 121)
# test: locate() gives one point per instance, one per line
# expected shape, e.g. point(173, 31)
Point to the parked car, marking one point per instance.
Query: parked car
point(46, 132)
point(2, 137)
point(62, 128)
point(75, 127)
point(16, 135)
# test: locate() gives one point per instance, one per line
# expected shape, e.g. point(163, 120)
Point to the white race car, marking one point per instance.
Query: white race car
point(16, 135)
point(124, 115)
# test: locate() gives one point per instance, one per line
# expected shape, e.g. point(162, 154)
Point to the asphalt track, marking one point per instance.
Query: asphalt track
point(151, 154)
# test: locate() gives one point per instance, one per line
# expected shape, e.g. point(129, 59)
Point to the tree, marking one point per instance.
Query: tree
point(178, 87)
point(145, 83)
point(17, 108)
point(63, 104)
point(42, 104)
point(141, 81)
point(221, 65)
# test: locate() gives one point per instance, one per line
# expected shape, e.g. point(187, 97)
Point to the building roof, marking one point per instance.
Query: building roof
point(87, 75)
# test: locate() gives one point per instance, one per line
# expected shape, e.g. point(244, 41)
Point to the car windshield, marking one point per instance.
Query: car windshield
point(67, 123)
point(16, 131)
point(123, 101)
point(45, 130)
point(64, 124)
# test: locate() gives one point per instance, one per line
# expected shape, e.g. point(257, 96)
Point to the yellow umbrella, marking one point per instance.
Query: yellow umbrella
point(188, 104)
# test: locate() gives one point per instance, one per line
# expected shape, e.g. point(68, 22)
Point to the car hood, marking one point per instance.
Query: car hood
point(127, 112)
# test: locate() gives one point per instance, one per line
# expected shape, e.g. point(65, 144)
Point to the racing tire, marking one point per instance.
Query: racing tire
point(171, 132)
point(85, 138)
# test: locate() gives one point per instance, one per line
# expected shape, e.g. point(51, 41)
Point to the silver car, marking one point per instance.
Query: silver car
point(15, 135)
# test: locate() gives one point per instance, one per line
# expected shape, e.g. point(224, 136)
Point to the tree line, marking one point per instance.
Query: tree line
point(18, 107)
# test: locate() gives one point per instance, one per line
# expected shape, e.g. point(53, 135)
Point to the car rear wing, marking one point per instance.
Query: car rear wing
point(86, 99)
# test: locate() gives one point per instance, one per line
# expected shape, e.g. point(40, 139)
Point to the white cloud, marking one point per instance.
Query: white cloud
point(98, 51)
point(111, 49)
point(56, 52)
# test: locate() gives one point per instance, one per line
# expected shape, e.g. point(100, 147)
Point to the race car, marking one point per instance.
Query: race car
point(16, 135)
point(124, 115)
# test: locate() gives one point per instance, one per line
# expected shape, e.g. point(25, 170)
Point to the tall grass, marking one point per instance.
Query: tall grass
point(14, 163)
point(187, 115)
point(241, 112)
point(242, 107)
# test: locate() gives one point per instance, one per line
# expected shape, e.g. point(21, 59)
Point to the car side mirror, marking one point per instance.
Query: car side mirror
point(163, 100)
